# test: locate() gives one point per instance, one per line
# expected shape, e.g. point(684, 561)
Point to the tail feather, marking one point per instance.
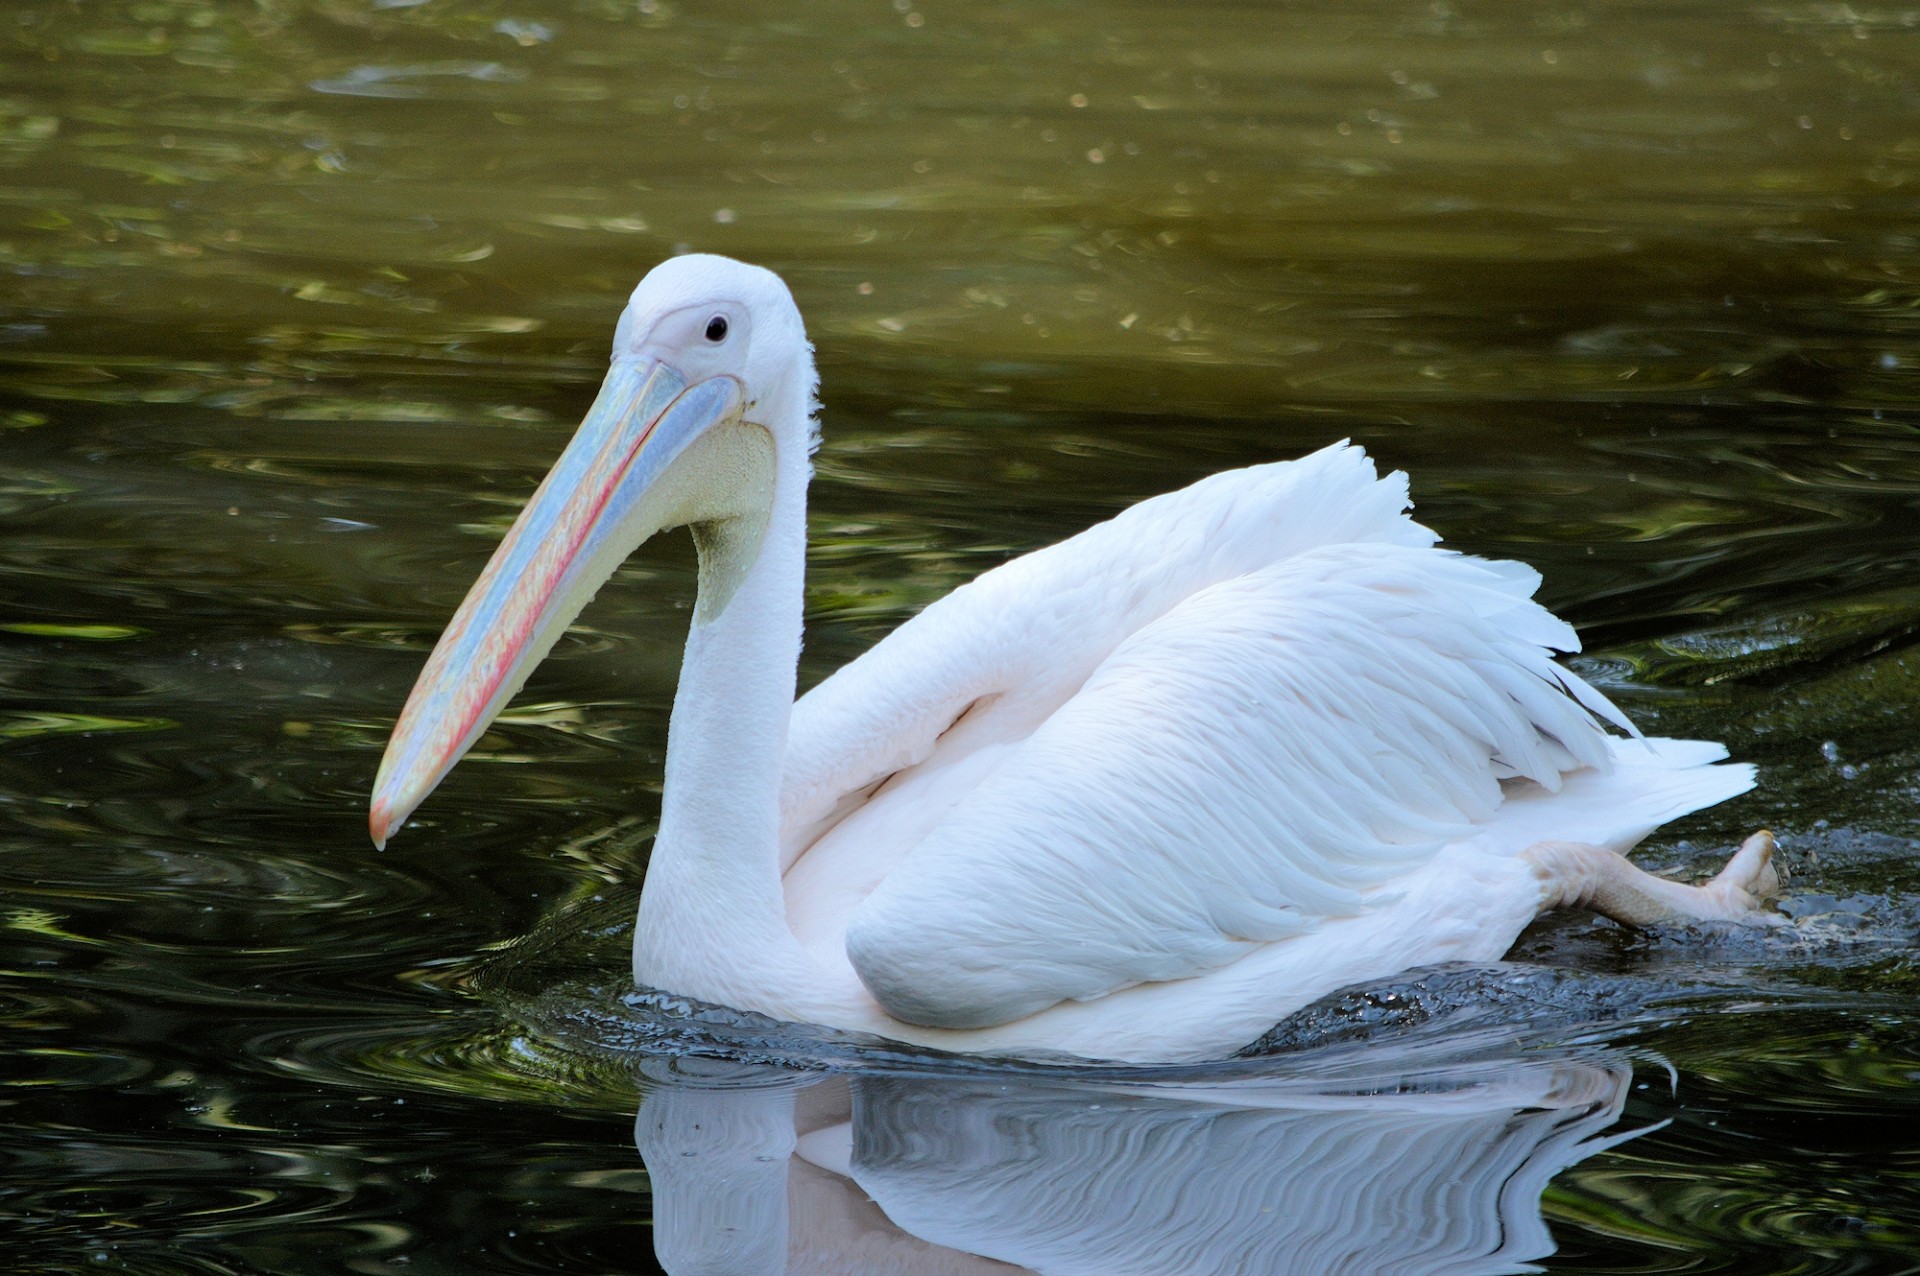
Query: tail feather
point(1652, 782)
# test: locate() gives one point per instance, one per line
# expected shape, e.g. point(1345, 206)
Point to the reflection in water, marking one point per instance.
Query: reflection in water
point(757, 1173)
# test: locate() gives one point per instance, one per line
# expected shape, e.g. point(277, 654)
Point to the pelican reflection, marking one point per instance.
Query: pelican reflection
point(756, 1172)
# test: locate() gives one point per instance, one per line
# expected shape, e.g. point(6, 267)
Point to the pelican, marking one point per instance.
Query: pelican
point(1133, 797)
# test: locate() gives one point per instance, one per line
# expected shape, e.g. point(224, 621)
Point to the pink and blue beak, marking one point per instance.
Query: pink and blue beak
point(591, 511)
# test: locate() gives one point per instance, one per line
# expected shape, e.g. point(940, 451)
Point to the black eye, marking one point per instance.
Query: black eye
point(717, 328)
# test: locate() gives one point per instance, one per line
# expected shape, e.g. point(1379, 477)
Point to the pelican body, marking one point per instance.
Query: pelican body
point(1135, 796)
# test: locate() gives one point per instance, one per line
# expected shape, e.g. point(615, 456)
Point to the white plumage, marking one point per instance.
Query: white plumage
point(1237, 713)
point(1136, 795)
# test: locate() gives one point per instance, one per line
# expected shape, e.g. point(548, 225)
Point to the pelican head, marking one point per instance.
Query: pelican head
point(710, 382)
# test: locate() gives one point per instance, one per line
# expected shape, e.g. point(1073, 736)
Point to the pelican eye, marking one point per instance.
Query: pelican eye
point(717, 329)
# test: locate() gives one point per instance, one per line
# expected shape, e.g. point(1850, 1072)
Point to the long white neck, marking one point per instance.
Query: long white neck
point(712, 921)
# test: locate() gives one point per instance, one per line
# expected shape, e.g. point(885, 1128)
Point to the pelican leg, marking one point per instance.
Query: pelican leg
point(1580, 875)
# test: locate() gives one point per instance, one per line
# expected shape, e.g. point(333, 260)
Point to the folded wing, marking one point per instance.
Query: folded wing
point(1223, 719)
point(1035, 628)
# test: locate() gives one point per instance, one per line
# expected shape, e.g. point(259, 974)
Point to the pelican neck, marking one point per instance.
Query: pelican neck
point(712, 920)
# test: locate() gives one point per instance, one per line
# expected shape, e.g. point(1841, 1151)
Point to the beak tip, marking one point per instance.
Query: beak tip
point(401, 785)
point(381, 824)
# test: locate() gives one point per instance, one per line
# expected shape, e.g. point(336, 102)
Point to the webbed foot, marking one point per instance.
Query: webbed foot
point(1749, 880)
point(1581, 875)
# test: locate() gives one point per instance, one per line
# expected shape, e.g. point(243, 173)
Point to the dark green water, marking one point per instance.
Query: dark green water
point(301, 296)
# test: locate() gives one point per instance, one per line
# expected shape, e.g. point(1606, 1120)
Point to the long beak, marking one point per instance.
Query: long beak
point(601, 499)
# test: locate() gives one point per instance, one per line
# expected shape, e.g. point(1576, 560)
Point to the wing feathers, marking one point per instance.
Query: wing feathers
point(1273, 752)
point(1219, 720)
point(1042, 623)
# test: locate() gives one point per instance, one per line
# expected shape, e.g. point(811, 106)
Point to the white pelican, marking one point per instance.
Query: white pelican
point(1136, 796)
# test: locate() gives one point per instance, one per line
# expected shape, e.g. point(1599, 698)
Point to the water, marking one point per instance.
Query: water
point(303, 296)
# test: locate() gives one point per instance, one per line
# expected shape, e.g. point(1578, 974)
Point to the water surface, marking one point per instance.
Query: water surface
point(302, 296)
